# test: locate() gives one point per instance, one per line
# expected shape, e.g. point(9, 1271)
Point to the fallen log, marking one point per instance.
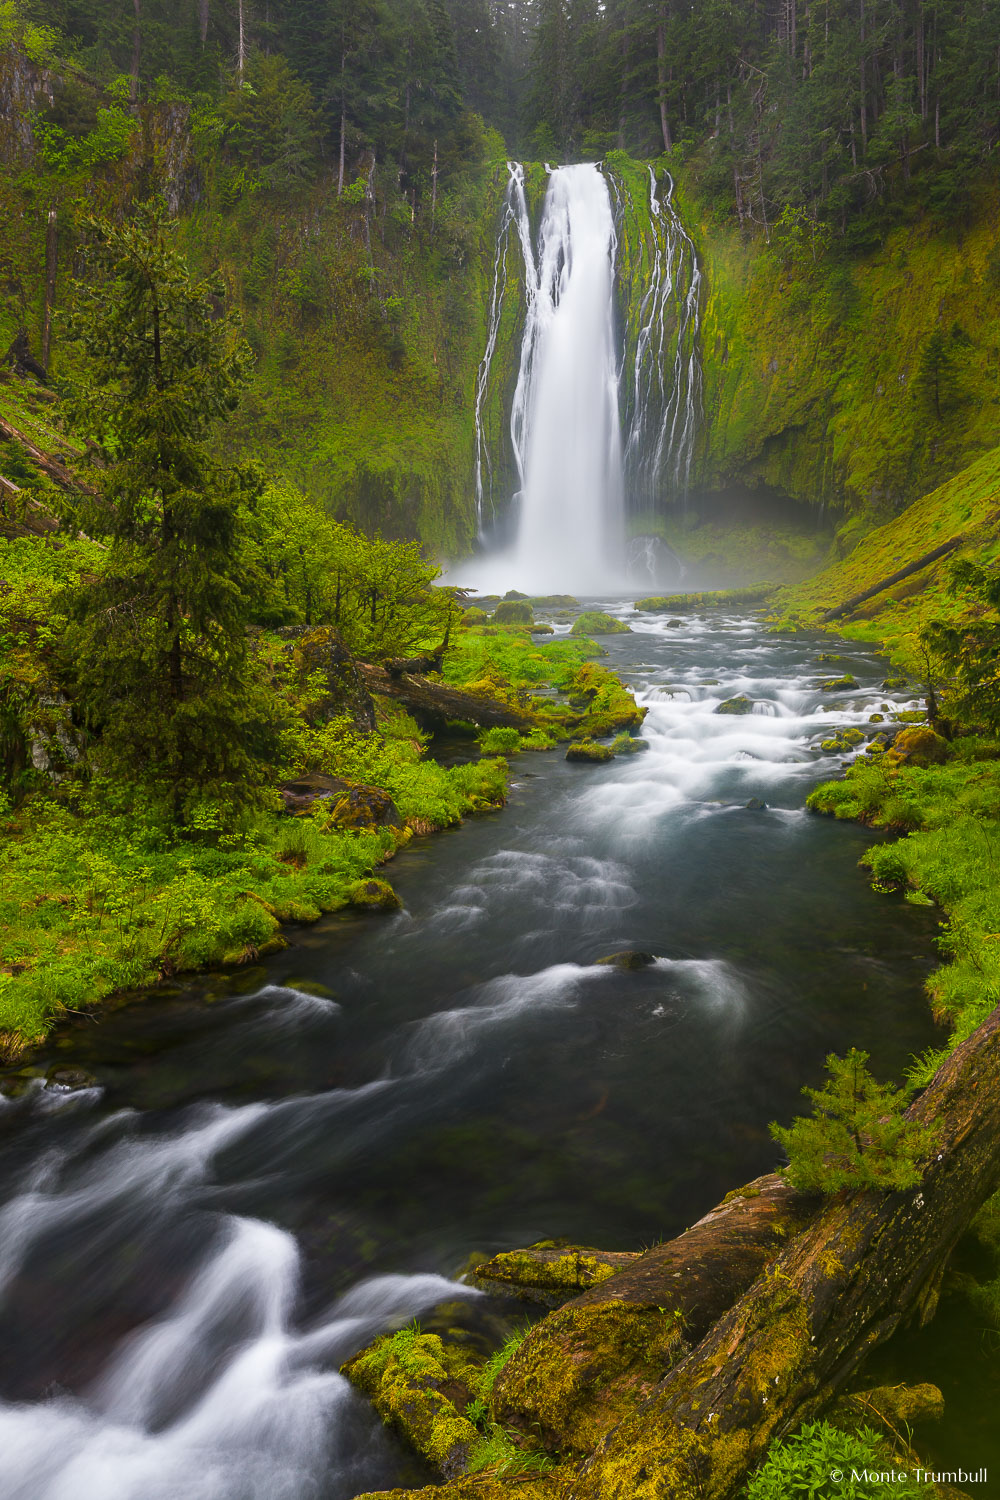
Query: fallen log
point(887, 583)
point(439, 702)
point(584, 1367)
point(52, 467)
point(868, 1262)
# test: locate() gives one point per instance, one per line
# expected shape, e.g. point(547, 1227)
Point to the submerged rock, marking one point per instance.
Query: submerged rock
point(629, 958)
point(587, 750)
point(756, 804)
point(64, 1076)
point(739, 705)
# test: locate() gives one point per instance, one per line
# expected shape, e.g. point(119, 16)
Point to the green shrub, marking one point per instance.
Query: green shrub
point(500, 741)
point(820, 1461)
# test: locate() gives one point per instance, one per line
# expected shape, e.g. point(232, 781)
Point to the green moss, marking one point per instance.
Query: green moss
point(594, 622)
point(417, 1383)
point(375, 894)
point(587, 750)
point(713, 599)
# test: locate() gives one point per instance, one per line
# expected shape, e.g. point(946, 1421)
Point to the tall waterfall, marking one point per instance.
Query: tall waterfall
point(603, 414)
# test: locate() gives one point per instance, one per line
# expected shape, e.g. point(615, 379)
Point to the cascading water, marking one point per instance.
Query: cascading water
point(604, 412)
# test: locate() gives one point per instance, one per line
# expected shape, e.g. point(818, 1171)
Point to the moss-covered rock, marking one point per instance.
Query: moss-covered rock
point(376, 895)
point(895, 1406)
point(919, 746)
point(552, 1271)
point(836, 684)
point(629, 958)
point(420, 1385)
point(596, 622)
point(738, 705)
point(513, 612)
point(480, 1487)
point(587, 750)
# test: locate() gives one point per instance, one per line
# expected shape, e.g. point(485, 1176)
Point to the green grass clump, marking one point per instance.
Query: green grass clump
point(714, 598)
point(500, 741)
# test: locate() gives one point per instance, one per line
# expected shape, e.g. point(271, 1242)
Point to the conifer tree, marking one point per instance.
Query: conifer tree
point(158, 642)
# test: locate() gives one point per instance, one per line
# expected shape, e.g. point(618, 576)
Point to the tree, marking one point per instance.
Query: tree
point(157, 645)
point(970, 648)
point(857, 1137)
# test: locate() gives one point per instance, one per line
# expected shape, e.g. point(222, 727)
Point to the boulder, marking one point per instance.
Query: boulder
point(756, 804)
point(513, 612)
point(376, 895)
point(354, 805)
point(835, 684)
point(739, 705)
point(587, 750)
point(919, 746)
point(629, 958)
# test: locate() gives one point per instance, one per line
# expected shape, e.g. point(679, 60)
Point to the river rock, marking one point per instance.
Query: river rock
point(65, 1076)
point(587, 750)
point(739, 705)
point(376, 895)
point(835, 684)
point(756, 804)
point(354, 805)
point(629, 958)
point(896, 1405)
point(919, 746)
point(513, 612)
point(552, 1271)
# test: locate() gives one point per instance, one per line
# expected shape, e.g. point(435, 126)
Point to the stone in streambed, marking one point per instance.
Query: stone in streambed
point(587, 750)
point(756, 804)
point(376, 895)
point(629, 958)
point(552, 1271)
point(739, 705)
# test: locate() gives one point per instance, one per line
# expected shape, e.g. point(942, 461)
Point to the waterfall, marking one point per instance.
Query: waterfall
point(604, 413)
point(660, 280)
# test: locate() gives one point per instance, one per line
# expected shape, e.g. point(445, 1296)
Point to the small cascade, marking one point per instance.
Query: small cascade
point(661, 386)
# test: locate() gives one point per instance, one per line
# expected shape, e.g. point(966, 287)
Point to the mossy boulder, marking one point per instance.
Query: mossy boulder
point(588, 750)
point(555, 601)
point(420, 1385)
point(836, 684)
point(477, 1487)
point(739, 705)
point(595, 622)
point(919, 746)
point(540, 628)
point(365, 807)
point(376, 895)
point(629, 958)
point(474, 616)
point(513, 612)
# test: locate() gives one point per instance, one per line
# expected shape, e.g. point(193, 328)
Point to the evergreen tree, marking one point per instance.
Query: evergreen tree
point(858, 1136)
point(157, 648)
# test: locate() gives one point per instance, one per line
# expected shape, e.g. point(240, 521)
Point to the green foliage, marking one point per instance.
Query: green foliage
point(857, 1136)
point(269, 124)
point(806, 1463)
point(500, 741)
point(37, 41)
point(969, 650)
point(499, 1359)
point(111, 139)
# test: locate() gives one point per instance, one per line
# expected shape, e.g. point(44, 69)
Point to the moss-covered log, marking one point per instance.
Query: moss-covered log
point(867, 1263)
point(584, 1368)
point(439, 702)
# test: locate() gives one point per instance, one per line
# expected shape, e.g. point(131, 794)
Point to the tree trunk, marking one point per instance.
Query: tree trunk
point(869, 1262)
point(241, 53)
point(916, 566)
point(54, 468)
point(203, 21)
point(136, 53)
point(51, 268)
point(661, 79)
point(438, 701)
point(584, 1367)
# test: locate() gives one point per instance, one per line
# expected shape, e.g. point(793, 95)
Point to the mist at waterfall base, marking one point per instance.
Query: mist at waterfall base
point(273, 1166)
point(596, 410)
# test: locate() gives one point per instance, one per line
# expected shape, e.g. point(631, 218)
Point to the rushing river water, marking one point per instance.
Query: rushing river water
point(277, 1166)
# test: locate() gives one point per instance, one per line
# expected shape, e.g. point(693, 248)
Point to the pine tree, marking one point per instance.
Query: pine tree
point(158, 644)
point(858, 1135)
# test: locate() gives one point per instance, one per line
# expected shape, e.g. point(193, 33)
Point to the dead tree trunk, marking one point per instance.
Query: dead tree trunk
point(867, 1263)
point(51, 269)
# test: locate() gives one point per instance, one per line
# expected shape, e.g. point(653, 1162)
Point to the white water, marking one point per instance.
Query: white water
point(598, 419)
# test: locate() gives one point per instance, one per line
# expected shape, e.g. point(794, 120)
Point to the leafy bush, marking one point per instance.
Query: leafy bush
point(500, 741)
point(820, 1461)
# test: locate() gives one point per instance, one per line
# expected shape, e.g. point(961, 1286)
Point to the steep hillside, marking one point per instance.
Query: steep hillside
point(965, 509)
point(857, 383)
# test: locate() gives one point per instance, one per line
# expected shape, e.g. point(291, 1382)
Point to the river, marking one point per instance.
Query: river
point(276, 1165)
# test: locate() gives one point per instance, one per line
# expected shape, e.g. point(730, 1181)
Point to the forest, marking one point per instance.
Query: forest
point(459, 1036)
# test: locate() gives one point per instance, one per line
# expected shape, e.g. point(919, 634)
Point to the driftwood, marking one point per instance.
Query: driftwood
point(887, 583)
point(438, 701)
point(868, 1262)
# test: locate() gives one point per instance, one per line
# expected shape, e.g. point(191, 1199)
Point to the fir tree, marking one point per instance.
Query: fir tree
point(158, 642)
point(858, 1136)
